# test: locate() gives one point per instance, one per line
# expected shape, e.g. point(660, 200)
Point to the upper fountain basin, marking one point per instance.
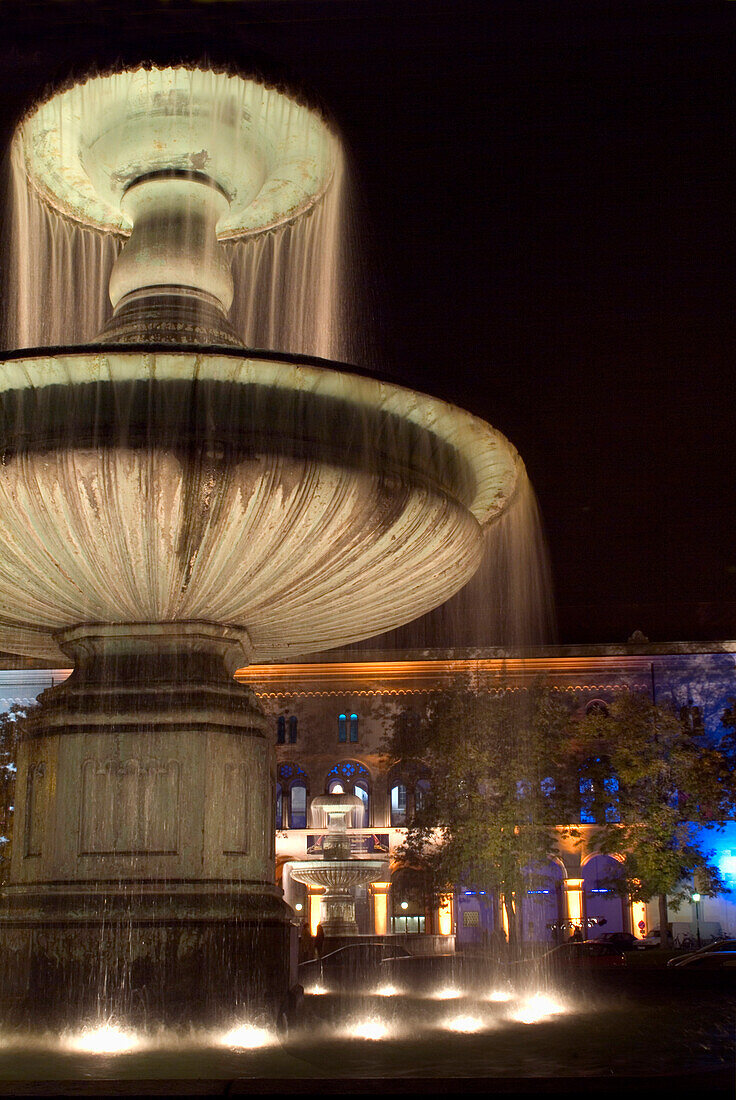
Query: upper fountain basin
point(308, 506)
point(340, 803)
point(271, 156)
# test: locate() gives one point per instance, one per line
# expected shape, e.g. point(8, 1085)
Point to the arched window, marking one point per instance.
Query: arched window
point(691, 717)
point(280, 730)
point(291, 807)
point(361, 789)
point(599, 798)
point(587, 801)
point(342, 729)
point(421, 792)
point(293, 729)
point(298, 805)
point(350, 777)
point(597, 706)
point(353, 728)
point(610, 786)
point(398, 805)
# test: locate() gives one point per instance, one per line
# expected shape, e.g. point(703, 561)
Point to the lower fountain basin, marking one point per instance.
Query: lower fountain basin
point(338, 877)
point(305, 506)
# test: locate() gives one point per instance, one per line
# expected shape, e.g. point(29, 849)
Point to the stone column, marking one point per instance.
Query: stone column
point(314, 895)
point(637, 912)
point(143, 859)
point(444, 915)
point(380, 892)
point(573, 895)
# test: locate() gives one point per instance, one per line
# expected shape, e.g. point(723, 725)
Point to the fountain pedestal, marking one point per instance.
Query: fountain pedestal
point(142, 867)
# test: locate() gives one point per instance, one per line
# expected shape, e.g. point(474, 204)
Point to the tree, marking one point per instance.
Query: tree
point(495, 761)
point(653, 780)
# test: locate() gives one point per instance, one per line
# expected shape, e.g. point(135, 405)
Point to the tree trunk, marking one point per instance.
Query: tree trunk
point(663, 939)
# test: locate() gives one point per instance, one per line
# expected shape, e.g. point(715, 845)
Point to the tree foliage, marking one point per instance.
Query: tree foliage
point(669, 781)
point(495, 760)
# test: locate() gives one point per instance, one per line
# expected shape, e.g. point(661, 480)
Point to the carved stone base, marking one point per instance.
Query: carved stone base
point(142, 873)
point(338, 914)
point(162, 969)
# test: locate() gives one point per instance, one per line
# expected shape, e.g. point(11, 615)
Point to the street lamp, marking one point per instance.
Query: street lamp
point(696, 901)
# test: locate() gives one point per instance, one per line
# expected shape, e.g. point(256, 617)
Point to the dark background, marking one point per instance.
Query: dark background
point(548, 190)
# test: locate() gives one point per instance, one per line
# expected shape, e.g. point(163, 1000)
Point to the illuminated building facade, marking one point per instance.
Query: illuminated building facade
point(329, 718)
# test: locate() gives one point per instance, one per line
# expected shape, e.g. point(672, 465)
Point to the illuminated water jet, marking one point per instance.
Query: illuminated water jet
point(103, 1039)
point(537, 1009)
point(246, 1037)
point(466, 1024)
point(373, 1030)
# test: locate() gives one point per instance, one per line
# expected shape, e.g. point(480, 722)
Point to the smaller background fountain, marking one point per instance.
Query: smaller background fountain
point(337, 871)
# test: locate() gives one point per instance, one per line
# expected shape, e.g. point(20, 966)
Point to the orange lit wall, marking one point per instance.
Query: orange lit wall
point(574, 898)
point(315, 910)
point(380, 907)
point(638, 912)
point(444, 915)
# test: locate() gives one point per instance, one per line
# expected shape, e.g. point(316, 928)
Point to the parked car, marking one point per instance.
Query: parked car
point(717, 947)
point(589, 953)
point(579, 959)
point(438, 972)
point(356, 962)
point(709, 960)
point(624, 941)
point(652, 939)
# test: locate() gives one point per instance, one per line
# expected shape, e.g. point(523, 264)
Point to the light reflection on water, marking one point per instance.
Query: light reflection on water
point(465, 1024)
point(490, 1031)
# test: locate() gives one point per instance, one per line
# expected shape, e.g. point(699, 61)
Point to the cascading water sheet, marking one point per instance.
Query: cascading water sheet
point(295, 287)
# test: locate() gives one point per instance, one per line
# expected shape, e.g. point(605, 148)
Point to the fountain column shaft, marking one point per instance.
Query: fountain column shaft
point(172, 281)
point(174, 240)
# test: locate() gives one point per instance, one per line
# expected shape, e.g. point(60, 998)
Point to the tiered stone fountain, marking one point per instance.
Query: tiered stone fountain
point(337, 872)
point(173, 506)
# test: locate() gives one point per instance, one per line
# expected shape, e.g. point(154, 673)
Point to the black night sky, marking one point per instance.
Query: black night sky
point(549, 193)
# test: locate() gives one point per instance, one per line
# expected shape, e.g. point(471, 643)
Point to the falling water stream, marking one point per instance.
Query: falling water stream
point(295, 287)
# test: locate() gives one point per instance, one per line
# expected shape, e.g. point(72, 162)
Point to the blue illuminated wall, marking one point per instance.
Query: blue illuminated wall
point(705, 680)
